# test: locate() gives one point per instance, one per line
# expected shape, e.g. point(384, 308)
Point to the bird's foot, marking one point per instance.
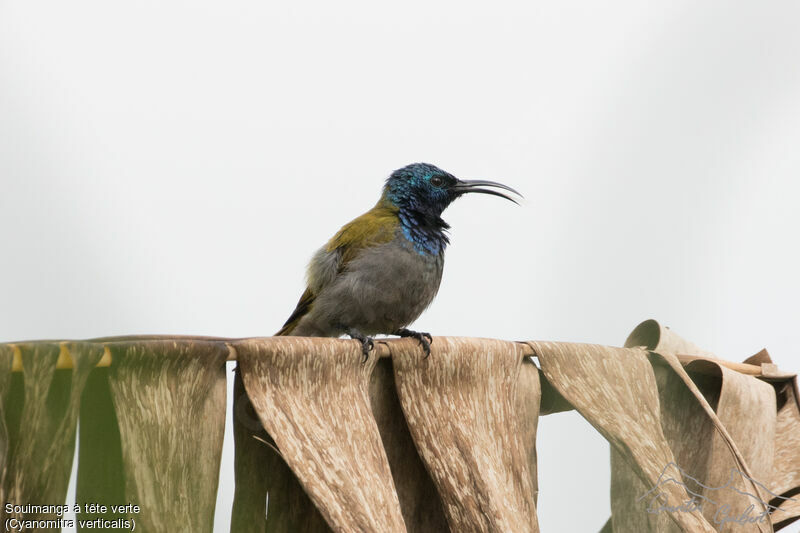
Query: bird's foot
point(367, 343)
point(425, 339)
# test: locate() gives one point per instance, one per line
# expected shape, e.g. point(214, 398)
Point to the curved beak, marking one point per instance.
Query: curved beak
point(465, 186)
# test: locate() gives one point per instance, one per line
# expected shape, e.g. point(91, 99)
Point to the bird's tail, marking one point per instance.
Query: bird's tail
point(303, 307)
point(286, 330)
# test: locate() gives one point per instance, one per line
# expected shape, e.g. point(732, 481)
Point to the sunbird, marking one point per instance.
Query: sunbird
point(383, 269)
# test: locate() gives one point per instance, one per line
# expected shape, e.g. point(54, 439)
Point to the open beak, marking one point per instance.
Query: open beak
point(465, 186)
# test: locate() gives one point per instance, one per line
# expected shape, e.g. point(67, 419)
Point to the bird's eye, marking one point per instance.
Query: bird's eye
point(437, 181)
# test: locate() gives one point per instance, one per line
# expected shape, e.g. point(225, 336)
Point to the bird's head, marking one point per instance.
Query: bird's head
point(428, 189)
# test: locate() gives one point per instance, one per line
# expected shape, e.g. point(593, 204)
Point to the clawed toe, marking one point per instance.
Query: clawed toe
point(367, 343)
point(425, 339)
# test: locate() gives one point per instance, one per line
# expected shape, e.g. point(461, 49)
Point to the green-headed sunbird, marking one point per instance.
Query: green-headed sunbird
point(381, 270)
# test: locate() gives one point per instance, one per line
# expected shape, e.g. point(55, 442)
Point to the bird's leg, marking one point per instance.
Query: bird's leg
point(367, 343)
point(424, 339)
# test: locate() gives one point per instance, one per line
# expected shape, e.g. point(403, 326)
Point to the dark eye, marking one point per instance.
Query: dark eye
point(437, 181)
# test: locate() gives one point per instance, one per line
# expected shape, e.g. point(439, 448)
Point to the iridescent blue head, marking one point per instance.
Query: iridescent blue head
point(421, 192)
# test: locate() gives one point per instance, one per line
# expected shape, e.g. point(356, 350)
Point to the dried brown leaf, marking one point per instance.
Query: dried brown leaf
point(615, 390)
point(169, 398)
point(312, 397)
point(462, 407)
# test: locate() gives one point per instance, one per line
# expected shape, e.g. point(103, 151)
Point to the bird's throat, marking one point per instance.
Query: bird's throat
point(427, 232)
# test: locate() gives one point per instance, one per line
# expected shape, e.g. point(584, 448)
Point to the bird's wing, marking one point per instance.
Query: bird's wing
point(374, 227)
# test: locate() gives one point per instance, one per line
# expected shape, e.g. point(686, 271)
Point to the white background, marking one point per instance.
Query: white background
point(169, 167)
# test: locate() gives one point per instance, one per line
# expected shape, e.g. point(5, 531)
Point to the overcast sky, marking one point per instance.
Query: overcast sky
point(170, 167)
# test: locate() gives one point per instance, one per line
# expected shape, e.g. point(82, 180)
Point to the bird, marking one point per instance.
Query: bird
point(381, 270)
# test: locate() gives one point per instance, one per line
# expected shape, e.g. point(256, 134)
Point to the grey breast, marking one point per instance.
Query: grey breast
point(383, 289)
